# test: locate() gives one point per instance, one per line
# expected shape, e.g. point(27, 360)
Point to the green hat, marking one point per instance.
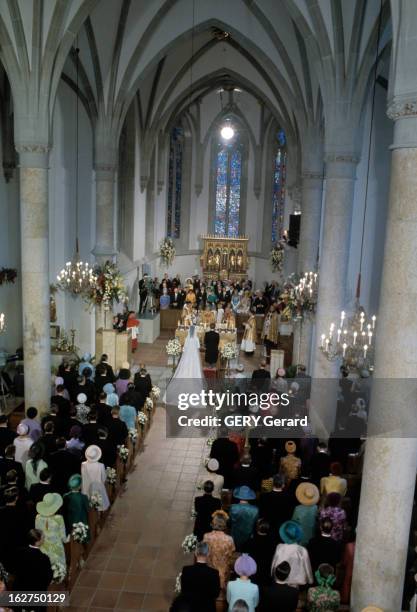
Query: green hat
point(50, 504)
point(74, 482)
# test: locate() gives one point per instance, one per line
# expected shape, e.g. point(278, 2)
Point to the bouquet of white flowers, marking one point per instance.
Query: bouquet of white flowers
point(123, 453)
point(142, 419)
point(133, 435)
point(80, 533)
point(155, 392)
point(148, 404)
point(277, 257)
point(173, 347)
point(96, 501)
point(178, 584)
point(167, 251)
point(59, 572)
point(229, 351)
point(111, 476)
point(189, 544)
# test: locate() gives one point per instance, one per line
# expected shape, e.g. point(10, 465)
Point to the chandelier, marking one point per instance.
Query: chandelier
point(307, 287)
point(352, 341)
point(77, 277)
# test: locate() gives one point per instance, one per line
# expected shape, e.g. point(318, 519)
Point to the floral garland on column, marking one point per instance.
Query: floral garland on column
point(7, 275)
point(109, 287)
point(167, 252)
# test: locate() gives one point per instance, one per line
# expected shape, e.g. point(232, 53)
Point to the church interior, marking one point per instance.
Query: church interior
point(223, 193)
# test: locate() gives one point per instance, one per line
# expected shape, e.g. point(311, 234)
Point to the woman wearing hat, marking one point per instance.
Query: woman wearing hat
point(306, 512)
point(123, 379)
point(242, 588)
point(53, 528)
point(93, 476)
point(221, 547)
point(76, 504)
point(323, 598)
point(290, 465)
point(82, 409)
point(243, 516)
point(22, 444)
point(291, 534)
point(112, 399)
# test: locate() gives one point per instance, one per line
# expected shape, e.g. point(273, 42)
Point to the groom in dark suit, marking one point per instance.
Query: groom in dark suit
point(211, 343)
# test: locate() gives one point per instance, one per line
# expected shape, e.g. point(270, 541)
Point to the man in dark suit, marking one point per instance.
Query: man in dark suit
point(177, 298)
point(117, 428)
point(204, 506)
point(246, 474)
point(63, 464)
point(320, 463)
point(279, 596)
point(227, 454)
point(276, 506)
point(8, 463)
point(33, 572)
point(90, 429)
point(211, 343)
point(41, 488)
point(200, 584)
point(103, 411)
point(143, 382)
point(261, 377)
point(7, 436)
point(323, 548)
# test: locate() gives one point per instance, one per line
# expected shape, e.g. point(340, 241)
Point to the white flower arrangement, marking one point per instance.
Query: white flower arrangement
point(155, 392)
point(96, 501)
point(167, 251)
point(123, 453)
point(80, 533)
point(178, 584)
point(229, 351)
point(174, 348)
point(111, 476)
point(189, 544)
point(142, 418)
point(133, 435)
point(148, 404)
point(59, 572)
point(109, 287)
point(277, 257)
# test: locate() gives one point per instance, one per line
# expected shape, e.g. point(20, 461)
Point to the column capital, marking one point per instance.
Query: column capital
point(402, 106)
point(105, 171)
point(32, 154)
point(341, 165)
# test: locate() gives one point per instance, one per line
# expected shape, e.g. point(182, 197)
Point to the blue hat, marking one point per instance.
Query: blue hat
point(245, 493)
point(108, 388)
point(291, 532)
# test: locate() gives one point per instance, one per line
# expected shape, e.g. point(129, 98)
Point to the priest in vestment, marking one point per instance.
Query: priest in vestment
point(270, 331)
point(249, 337)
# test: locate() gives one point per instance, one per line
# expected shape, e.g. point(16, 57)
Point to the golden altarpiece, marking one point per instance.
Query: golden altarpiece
point(224, 257)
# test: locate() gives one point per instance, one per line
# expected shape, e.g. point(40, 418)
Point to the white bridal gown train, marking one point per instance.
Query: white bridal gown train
point(189, 367)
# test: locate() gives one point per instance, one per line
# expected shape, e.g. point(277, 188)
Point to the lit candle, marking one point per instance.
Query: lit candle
point(327, 344)
point(344, 349)
point(323, 338)
point(365, 350)
point(373, 322)
point(339, 331)
point(342, 318)
point(1, 321)
point(370, 338)
point(355, 333)
point(332, 326)
point(362, 320)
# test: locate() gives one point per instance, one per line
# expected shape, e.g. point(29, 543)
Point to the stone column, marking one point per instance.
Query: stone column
point(105, 176)
point(33, 162)
point(311, 199)
point(389, 474)
point(340, 182)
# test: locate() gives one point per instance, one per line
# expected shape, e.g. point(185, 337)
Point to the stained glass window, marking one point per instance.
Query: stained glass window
point(278, 188)
point(175, 183)
point(228, 189)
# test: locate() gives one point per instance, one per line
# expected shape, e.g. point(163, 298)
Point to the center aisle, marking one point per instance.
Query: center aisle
point(138, 555)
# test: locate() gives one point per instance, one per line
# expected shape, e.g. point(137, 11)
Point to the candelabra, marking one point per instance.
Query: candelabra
point(353, 340)
point(77, 277)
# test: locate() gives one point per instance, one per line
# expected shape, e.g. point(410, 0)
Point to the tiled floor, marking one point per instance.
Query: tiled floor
point(135, 560)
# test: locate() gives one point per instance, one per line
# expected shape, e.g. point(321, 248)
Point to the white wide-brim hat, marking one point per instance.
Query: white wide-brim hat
point(93, 453)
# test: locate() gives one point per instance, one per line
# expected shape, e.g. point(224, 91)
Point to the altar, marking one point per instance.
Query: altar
point(226, 336)
point(225, 257)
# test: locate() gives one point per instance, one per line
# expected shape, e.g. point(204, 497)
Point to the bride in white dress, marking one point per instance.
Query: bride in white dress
point(189, 367)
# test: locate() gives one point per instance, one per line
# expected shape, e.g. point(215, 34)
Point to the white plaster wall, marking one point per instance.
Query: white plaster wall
point(72, 312)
